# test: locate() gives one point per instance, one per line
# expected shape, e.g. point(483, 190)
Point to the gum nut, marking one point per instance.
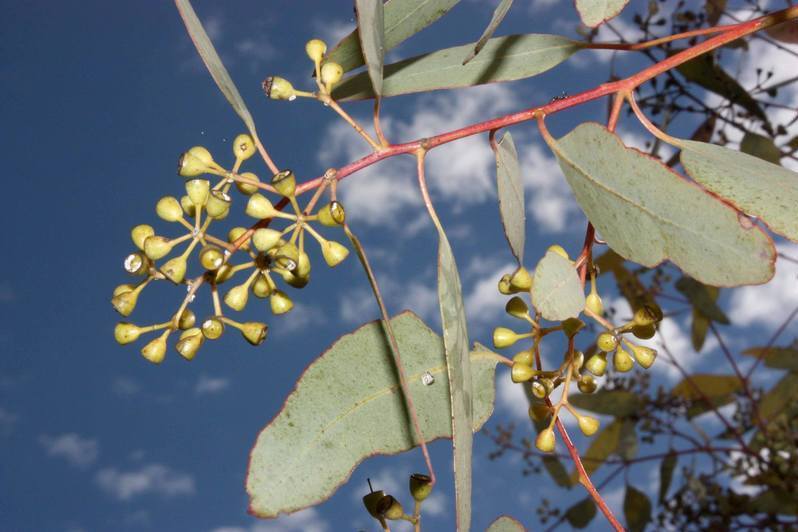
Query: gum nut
point(644, 332)
point(645, 356)
point(521, 372)
point(198, 191)
point(157, 247)
point(503, 337)
point(236, 298)
point(331, 73)
point(136, 264)
point(254, 332)
point(521, 280)
point(247, 188)
point(189, 343)
point(648, 314)
point(316, 48)
point(186, 320)
point(188, 206)
point(597, 364)
point(259, 207)
point(218, 204)
point(155, 350)
point(168, 208)
point(243, 147)
point(211, 257)
point(265, 239)
point(517, 308)
point(280, 302)
point(140, 233)
point(607, 342)
point(370, 501)
point(125, 333)
point(175, 269)
point(594, 304)
point(545, 440)
point(525, 357)
point(420, 486)
point(539, 411)
point(125, 302)
point(334, 253)
point(212, 328)
point(261, 287)
point(284, 182)
point(622, 361)
point(588, 425)
point(235, 233)
point(122, 288)
point(278, 88)
point(332, 214)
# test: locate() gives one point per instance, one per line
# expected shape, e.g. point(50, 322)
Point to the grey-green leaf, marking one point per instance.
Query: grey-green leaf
point(619, 403)
point(506, 523)
point(498, 15)
point(403, 19)
point(511, 195)
point(719, 390)
point(371, 28)
point(647, 213)
point(636, 509)
point(666, 468)
point(556, 290)
point(776, 357)
point(347, 406)
point(557, 471)
point(502, 59)
point(778, 397)
point(627, 441)
point(701, 297)
point(601, 447)
point(760, 146)
point(214, 63)
point(580, 514)
point(754, 186)
point(455, 339)
point(595, 12)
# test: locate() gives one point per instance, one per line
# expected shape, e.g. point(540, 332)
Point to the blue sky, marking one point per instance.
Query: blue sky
point(98, 100)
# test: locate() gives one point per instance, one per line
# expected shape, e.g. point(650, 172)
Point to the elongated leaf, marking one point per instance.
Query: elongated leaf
point(506, 523)
point(557, 471)
point(511, 195)
point(214, 63)
point(403, 19)
point(701, 297)
point(627, 441)
point(754, 186)
point(714, 9)
point(784, 32)
point(776, 357)
point(636, 509)
point(556, 291)
point(371, 28)
point(455, 340)
point(595, 12)
point(704, 71)
point(648, 213)
point(347, 406)
point(502, 59)
point(498, 15)
point(601, 447)
point(580, 514)
point(619, 403)
point(778, 397)
point(666, 468)
point(759, 146)
point(709, 385)
point(699, 327)
point(774, 501)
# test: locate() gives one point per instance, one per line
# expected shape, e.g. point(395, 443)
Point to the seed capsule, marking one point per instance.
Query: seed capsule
point(420, 486)
point(243, 147)
point(648, 314)
point(125, 302)
point(517, 308)
point(189, 343)
point(587, 384)
point(644, 332)
point(235, 233)
point(265, 239)
point(247, 188)
point(597, 364)
point(259, 207)
point(389, 508)
point(645, 356)
point(588, 425)
point(211, 257)
point(278, 88)
point(622, 361)
point(521, 280)
point(334, 253)
point(254, 332)
point(539, 411)
point(137, 264)
point(545, 440)
point(607, 342)
point(188, 206)
point(280, 302)
point(370, 501)
point(504, 285)
point(155, 350)
point(522, 372)
point(525, 357)
point(198, 190)
point(218, 204)
point(236, 298)
point(261, 287)
point(186, 320)
point(212, 328)
point(175, 269)
point(169, 209)
point(539, 390)
point(285, 183)
point(504, 337)
point(157, 247)
point(332, 214)
point(140, 233)
point(594, 304)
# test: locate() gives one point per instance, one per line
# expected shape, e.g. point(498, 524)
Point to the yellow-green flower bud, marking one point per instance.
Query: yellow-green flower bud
point(284, 182)
point(316, 48)
point(125, 302)
point(175, 269)
point(140, 233)
point(265, 239)
point(198, 191)
point(157, 247)
point(545, 440)
point(254, 332)
point(235, 233)
point(122, 288)
point(224, 273)
point(579, 360)
point(420, 486)
point(186, 320)
point(237, 297)
point(278, 88)
point(607, 342)
point(211, 257)
point(137, 264)
point(125, 333)
point(212, 328)
point(169, 209)
point(259, 207)
point(389, 508)
point(155, 350)
point(280, 302)
point(247, 188)
point(190, 342)
point(525, 357)
point(331, 73)
point(622, 361)
point(645, 356)
point(504, 337)
point(594, 304)
point(243, 147)
point(332, 214)
point(648, 314)
point(588, 425)
point(559, 250)
point(517, 308)
point(197, 161)
point(188, 206)
point(302, 266)
point(521, 280)
point(597, 364)
point(539, 390)
point(587, 384)
point(218, 204)
point(261, 287)
point(522, 372)
point(504, 285)
point(333, 252)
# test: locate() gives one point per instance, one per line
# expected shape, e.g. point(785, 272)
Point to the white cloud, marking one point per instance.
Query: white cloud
point(359, 306)
point(332, 31)
point(768, 304)
point(550, 202)
point(511, 396)
point(211, 385)
point(125, 387)
point(154, 479)
point(307, 520)
point(75, 449)
point(484, 302)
